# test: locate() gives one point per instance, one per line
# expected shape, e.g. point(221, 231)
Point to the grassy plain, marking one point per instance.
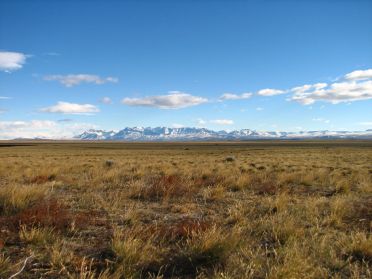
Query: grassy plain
point(186, 210)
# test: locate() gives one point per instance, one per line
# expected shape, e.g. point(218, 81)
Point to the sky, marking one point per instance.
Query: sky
point(68, 66)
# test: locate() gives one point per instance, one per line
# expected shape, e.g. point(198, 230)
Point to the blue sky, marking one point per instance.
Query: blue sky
point(66, 66)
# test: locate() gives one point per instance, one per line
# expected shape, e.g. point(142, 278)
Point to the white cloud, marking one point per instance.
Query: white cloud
point(11, 61)
point(222, 122)
point(359, 75)
point(25, 124)
point(270, 92)
point(173, 100)
point(106, 100)
point(259, 109)
point(41, 129)
point(70, 108)
point(355, 86)
point(4, 98)
point(2, 110)
point(72, 80)
point(201, 122)
point(366, 123)
point(306, 87)
point(230, 96)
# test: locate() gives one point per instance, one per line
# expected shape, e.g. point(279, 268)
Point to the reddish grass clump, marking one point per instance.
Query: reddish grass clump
point(185, 227)
point(181, 229)
point(208, 180)
point(50, 213)
point(190, 251)
point(41, 179)
point(45, 213)
point(265, 186)
point(163, 187)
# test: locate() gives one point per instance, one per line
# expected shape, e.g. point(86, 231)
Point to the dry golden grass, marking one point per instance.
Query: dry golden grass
point(186, 210)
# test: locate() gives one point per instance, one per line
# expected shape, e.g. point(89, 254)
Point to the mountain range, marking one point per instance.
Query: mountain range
point(201, 134)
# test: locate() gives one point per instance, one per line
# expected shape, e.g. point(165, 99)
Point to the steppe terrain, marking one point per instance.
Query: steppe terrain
point(268, 209)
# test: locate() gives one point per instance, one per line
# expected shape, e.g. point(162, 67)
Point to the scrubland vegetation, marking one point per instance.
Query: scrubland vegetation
point(186, 210)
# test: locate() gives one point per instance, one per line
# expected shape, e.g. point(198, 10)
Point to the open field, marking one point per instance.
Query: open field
point(186, 210)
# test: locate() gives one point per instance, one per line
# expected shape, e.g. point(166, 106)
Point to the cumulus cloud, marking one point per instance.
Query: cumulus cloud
point(72, 80)
point(11, 61)
point(307, 87)
point(359, 75)
point(222, 122)
point(366, 123)
point(173, 100)
point(270, 92)
point(354, 86)
point(41, 129)
point(24, 124)
point(71, 108)
point(106, 100)
point(231, 96)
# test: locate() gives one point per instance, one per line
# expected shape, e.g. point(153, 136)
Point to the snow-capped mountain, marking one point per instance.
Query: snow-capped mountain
point(96, 135)
point(199, 134)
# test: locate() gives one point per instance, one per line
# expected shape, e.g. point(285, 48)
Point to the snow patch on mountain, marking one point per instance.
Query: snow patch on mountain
point(198, 134)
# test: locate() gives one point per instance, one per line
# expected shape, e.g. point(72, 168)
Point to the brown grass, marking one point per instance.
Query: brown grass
point(162, 187)
point(181, 210)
